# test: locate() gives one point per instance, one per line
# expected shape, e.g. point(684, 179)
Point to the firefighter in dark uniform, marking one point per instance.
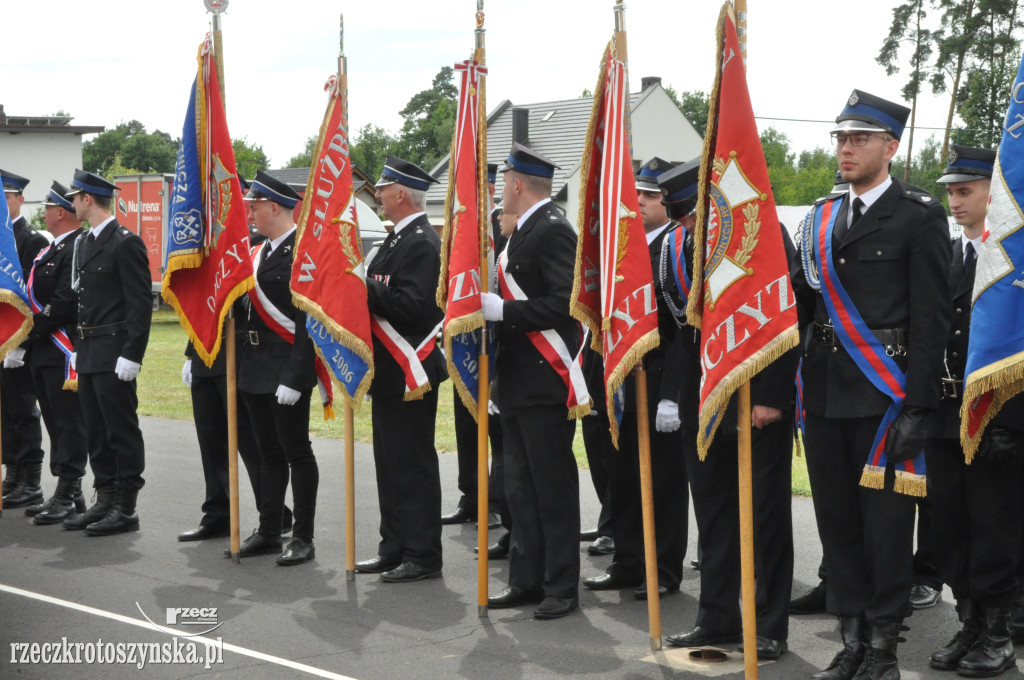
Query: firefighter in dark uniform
point(110, 271)
point(891, 255)
point(713, 487)
point(22, 434)
point(668, 467)
point(276, 378)
point(541, 476)
point(975, 533)
point(50, 360)
point(466, 427)
point(400, 283)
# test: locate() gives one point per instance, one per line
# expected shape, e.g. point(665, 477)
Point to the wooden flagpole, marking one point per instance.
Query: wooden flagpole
point(350, 429)
point(642, 423)
point(4, 476)
point(745, 477)
point(483, 362)
point(231, 375)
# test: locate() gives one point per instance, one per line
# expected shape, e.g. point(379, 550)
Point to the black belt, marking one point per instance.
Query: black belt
point(893, 339)
point(259, 338)
point(108, 329)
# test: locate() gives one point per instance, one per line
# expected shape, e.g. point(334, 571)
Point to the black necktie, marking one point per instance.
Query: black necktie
point(970, 259)
point(267, 249)
point(858, 210)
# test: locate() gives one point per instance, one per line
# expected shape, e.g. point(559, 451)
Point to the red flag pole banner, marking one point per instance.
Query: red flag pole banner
point(208, 264)
point(465, 210)
point(741, 295)
point(328, 278)
point(613, 289)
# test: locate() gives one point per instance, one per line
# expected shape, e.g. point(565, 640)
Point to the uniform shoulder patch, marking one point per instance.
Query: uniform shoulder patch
point(919, 196)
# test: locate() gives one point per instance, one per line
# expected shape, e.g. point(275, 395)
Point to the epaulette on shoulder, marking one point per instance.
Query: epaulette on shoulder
point(829, 197)
point(919, 195)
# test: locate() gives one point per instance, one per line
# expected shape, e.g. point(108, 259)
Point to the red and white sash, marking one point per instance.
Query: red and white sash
point(409, 358)
point(59, 337)
point(551, 346)
point(284, 326)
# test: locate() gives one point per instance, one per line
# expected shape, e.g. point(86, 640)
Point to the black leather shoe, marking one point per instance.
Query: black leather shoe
point(555, 608)
point(922, 596)
point(609, 582)
point(663, 591)
point(513, 597)
point(769, 649)
point(407, 572)
point(376, 565)
point(257, 544)
point(497, 550)
point(603, 545)
point(204, 531)
point(811, 602)
point(695, 564)
point(701, 636)
point(460, 516)
point(297, 552)
point(588, 535)
point(493, 520)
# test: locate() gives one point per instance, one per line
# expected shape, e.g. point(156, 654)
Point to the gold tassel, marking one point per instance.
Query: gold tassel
point(910, 485)
point(873, 477)
point(70, 385)
point(577, 412)
point(417, 393)
point(328, 412)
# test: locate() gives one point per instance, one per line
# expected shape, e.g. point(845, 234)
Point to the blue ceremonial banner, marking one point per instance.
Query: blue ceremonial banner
point(15, 314)
point(465, 357)
point(995, 352)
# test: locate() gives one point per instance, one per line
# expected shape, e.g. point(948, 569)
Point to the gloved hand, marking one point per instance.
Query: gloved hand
point(492, 306)
point(186, 373)
point(74, 360)
point(667, 419)
point(286, 396)
point(16, 358)
point(998, 447)
point(907, 434)
point(492, 408)
point(126, 369)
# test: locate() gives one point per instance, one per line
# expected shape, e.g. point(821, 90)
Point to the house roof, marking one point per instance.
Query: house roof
point(299, 176)
point(18, 124)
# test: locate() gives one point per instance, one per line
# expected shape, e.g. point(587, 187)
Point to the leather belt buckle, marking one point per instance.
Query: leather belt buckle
point(254, 337)
point(80, 333)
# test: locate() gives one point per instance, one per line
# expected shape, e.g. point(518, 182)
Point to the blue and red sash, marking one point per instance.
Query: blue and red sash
point(59, 337)
point(869, 355)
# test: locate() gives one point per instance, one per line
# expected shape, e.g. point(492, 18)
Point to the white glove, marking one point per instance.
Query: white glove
point(492, 408)
point(16, 358)
point(667, 419)
point(127, 370)
point(74, 360)
point(286, 396)
point(186, 373)
point(492, 306)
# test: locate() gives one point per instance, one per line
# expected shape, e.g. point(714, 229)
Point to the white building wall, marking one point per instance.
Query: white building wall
point(42, 157)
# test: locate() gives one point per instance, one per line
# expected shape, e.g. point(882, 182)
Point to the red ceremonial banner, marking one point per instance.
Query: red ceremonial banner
point(328, 274)
point(613, 290)
point(208, 263)
point(741, 297)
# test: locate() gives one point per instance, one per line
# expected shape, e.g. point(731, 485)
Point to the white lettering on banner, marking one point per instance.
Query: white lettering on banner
point(1018, 96)
point(623, 313)
point(590, 272)
point(458, 282)
point(1014, 130)
point(325, 187)
point(712, 346)
point(223, 273)
point(307, 268)
point(7, 267)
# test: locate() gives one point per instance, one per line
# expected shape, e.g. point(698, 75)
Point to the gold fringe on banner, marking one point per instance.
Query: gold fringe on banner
point(12, 299)
point(446, 230)
point(346, 339)
point(636, 353)
point(1005, 379)
point(236, 292)
point(464, 324)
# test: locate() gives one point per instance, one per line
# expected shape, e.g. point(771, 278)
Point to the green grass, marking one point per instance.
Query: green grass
point(162, 394)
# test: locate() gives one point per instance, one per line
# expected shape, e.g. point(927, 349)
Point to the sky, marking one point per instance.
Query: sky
point(107, 62)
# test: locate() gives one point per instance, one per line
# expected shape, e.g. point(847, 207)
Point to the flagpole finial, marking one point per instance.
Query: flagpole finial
point(341, 35)
point(216, 7)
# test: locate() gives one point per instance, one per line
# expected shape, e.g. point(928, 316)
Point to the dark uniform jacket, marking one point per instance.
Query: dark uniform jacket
point(894, 265)
point(28, 242)
point(114, 287)
point(51, 286)
point(541, 259)
point(272, 361)
point(401, 285)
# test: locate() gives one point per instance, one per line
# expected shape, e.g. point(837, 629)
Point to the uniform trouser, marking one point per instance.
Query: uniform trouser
point(282, 437)
point(976, 523)
point(601, 456)
point(671, 498)
point(62, 415)
point(543, 489)
point(867, 535)
point(466, 447)
point(715, 490)
point(210, 412)
point(117, 454)
point(21, 433)
point(408, 479)
point(925, 571)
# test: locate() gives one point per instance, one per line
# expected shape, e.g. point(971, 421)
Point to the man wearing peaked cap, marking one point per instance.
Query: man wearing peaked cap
point(276, 378)
point(55, 307)
point(889, 251)
point(621, 468)
point(400, 284)
point(541, 478)
point(22, 433)
point(975, 527)
point(110, 272)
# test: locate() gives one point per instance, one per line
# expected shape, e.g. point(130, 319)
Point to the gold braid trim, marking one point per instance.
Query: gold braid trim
point(580, 311)
point(642, 346)
point(11, 298)
point(1005, 378)
point(719, 398)
point(417, 393)
point(578, 412)
point(873, 477)
point(70, 385)
point(910, 484)
point(464, 324)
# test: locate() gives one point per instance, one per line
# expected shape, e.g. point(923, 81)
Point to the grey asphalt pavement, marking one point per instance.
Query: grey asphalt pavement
point(307, 621)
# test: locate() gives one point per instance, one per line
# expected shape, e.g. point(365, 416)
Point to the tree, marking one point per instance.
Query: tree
point(779, 159)
point(694, 104)
point(429, 125)
point(370, 147)
point(99, 152)
point(924, 168)
point(995, 52)
point(154, 152)
point(248, 157)
point(304, 159)
point(906, 28)
point(959, 24)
